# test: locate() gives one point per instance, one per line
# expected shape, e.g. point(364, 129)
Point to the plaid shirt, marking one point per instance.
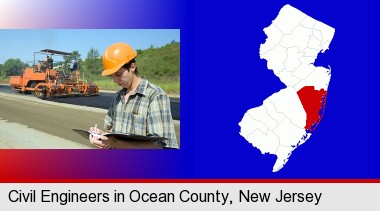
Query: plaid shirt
point(146, 112)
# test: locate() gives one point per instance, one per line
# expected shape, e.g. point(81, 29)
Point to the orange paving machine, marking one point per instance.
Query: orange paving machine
point(44, 81)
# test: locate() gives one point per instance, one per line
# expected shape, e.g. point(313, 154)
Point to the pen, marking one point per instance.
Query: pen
point(95, 133)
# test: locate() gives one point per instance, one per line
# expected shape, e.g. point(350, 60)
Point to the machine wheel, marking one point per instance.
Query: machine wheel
point(34, 84)
point(54, 94)
point(44, 92)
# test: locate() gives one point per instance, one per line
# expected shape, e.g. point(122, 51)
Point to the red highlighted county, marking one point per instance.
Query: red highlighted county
point(314, 102)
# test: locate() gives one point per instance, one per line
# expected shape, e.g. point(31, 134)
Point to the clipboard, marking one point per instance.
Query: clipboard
point(133, 141)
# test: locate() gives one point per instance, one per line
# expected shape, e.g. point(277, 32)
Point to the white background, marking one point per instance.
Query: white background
point(345, 196)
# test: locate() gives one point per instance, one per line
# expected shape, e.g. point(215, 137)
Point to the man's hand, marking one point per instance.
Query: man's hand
point(97, 139)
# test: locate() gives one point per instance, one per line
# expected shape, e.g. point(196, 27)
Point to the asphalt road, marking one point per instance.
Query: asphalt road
point(103, 100)
point(29, 122)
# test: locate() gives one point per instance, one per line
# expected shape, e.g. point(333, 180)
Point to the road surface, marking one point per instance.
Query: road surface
point(27, 122)
point(102, 101)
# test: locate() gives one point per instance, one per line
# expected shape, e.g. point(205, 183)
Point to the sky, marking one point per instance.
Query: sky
point(17, 43)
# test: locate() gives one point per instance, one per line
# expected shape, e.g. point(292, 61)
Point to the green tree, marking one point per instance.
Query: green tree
point(93, 62)
point(13, 67)
point(2, 73)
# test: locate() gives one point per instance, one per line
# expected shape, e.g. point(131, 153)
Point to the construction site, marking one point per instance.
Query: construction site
point(44, 80)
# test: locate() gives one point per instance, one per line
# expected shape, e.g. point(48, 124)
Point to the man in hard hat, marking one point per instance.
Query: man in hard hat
point(140, 107)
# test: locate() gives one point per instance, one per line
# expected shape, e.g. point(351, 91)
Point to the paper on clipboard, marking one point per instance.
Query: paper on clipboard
point(136, 141)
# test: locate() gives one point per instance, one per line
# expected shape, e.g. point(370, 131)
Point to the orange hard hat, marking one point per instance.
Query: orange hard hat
point(115, 56)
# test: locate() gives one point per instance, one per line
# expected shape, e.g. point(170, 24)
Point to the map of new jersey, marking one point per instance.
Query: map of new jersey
point(287, 119)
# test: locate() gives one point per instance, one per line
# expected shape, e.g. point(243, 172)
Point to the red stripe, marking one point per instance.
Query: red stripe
point(10, 180)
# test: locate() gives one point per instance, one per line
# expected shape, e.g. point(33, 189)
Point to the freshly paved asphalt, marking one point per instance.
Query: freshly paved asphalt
point(102, 100)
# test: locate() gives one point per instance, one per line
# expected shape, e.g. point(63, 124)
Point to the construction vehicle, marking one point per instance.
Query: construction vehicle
point(44, 81)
